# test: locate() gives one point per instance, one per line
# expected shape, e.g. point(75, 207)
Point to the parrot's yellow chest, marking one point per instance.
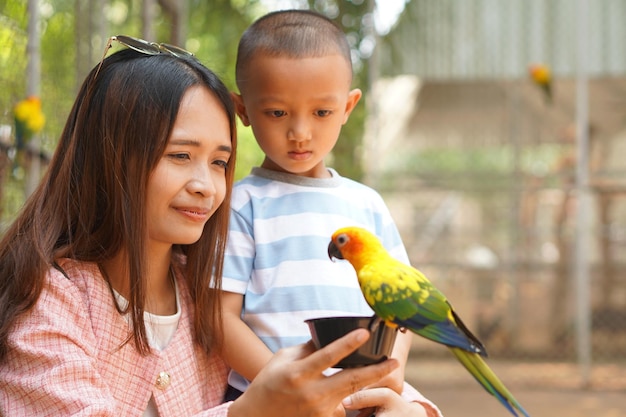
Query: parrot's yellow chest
point(387, 282)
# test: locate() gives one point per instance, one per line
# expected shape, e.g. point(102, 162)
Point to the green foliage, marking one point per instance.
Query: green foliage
point(465, 168)
point(497, 160)
point(215, 27)
point(249, 154)
point(213, 32)
point(12, 68)
point(57, 75)
point(12, 57)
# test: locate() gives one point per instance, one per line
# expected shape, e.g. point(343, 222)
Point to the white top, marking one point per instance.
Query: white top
point(159, 330)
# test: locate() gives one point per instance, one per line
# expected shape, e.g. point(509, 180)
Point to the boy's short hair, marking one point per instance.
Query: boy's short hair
point(292, 34)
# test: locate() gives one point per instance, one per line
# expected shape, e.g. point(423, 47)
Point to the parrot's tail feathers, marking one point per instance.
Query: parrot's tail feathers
point(479, 347)
point(447, 333)
point(489, 380)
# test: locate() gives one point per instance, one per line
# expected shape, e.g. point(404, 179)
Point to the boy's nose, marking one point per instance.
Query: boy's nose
point(299, 131)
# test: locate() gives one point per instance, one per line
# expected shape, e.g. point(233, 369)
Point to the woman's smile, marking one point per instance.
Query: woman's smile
point(196, 214)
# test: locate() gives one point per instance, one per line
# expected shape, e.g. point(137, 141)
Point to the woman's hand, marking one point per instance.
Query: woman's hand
point(386, 402)
point(293, 383)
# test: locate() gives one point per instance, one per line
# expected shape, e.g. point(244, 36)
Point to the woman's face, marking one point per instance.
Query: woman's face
point(189, 182)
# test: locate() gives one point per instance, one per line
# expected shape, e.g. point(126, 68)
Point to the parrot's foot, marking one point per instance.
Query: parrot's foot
point(402, 329)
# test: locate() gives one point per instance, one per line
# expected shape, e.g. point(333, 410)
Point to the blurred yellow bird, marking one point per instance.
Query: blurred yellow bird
point(541, 75)
point(29, 120)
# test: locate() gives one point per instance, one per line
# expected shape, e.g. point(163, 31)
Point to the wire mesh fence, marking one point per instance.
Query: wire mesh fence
point(481, 183)
point(480, 167)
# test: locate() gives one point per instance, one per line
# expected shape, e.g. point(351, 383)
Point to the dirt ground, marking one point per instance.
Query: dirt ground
point(474, 402)
point(543, 389)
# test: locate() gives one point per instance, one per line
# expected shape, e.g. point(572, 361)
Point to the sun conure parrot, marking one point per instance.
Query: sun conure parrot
point(540, 74)
point(402, 296)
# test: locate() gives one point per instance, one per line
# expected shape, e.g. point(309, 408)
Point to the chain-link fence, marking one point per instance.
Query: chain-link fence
point(481, 183)
point(486, 202)
point(479, 166)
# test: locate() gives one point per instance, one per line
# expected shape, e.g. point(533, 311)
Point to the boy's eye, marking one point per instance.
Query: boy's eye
point(277, 113)
point(323, 113)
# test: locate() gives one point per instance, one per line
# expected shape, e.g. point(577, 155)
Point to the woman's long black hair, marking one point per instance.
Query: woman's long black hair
point(90, 205)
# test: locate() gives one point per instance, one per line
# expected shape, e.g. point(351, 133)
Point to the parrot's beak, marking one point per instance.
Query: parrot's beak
point(333, 251)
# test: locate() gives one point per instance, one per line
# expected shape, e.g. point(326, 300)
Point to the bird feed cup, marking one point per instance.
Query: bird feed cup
point(377, 348)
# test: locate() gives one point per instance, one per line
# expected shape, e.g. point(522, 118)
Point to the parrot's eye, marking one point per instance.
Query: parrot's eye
point(342, 239)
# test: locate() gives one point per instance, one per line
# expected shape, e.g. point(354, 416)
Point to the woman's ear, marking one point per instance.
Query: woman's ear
point(353, 98)
point(240, 108)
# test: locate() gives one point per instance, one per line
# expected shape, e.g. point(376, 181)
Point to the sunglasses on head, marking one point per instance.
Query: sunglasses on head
point(144, 47)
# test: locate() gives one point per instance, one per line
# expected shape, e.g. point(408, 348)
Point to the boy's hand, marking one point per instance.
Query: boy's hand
point(385, 402)
point(393, 381)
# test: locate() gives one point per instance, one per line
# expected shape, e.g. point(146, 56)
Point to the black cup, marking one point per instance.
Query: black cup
point(377, 348)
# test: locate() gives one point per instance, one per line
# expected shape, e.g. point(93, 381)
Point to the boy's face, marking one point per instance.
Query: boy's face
point(296, 107)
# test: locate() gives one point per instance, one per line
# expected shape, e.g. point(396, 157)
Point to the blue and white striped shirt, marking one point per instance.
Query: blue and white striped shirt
point(277, 256)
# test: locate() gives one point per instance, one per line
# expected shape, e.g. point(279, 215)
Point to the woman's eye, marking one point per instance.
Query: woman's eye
point(223, 164)
point(179, 156)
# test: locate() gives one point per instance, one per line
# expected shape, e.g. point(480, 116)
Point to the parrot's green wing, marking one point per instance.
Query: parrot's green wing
point(398, 291)
point(401, 294)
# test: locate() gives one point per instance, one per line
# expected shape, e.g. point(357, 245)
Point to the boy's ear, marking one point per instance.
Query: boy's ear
point(240, 108)
point(353, 98)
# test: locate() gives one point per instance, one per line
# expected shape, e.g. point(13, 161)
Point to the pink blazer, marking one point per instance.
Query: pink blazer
point(65, 358)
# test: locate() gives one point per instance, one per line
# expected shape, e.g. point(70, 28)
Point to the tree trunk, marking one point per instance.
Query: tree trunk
point(177, 11)
point(33, 87)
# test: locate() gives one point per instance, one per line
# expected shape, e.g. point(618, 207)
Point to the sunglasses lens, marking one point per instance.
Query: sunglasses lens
point(175, 50)
point(138, 45)
point(148, 48)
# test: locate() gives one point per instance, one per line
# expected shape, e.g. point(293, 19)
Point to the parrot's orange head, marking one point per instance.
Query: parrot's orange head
point(540, 73)
point(352, 244)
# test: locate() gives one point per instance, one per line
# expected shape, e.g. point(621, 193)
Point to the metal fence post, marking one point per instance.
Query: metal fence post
point(583, 212)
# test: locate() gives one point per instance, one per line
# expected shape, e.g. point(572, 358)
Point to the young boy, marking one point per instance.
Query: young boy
point(294, 75)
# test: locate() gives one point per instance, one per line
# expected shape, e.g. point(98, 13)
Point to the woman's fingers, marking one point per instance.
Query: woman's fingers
point(309, 364)
point(296, 353)
point(350, 381)
point(329, 355)
point(347, 381)
point(293, 383)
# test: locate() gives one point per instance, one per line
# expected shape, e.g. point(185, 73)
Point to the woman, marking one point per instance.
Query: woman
point(105, 294)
